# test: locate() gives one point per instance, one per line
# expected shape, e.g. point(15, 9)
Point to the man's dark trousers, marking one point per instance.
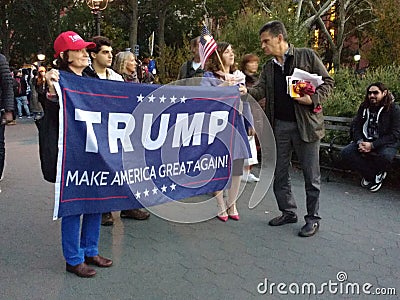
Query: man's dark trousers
point(288, 139)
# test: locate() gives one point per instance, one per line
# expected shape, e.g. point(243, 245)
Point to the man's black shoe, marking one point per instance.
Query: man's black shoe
point(283, 219)
point(309, 229)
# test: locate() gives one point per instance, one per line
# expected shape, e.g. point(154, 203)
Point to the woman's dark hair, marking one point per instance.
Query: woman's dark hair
point(62, 62)
point(213, 64)
point(386, 100)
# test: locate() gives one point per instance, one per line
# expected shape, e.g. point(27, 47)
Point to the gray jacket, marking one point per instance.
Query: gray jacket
point(310, 124)
point(6, 85)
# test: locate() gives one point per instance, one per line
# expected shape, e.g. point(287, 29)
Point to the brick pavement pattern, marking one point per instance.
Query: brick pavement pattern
point(157, 259)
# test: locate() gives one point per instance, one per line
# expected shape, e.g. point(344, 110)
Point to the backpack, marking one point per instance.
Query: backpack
point(19, 87)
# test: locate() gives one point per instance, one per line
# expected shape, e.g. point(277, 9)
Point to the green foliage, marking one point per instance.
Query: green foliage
point(384, 36)
point(350, 89)
point(242, 32)
point(171, 60)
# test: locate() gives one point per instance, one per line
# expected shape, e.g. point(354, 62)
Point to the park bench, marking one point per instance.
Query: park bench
point(337, 137)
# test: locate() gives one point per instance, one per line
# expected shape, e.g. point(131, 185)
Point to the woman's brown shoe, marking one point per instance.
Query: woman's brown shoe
point(107, 219)
point(99, 261)
point(81, 270)
point(136, 214)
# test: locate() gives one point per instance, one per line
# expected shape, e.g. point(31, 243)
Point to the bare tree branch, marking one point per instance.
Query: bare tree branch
point(264, 6)
point(358, 27)
point(298, 11)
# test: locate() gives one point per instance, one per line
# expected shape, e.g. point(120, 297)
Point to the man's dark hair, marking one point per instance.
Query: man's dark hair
point(99, 41)
point(386, 100)
point(275, 28)
point(194, 41)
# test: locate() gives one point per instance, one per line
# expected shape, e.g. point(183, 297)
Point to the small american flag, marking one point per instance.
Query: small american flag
point(207, 45)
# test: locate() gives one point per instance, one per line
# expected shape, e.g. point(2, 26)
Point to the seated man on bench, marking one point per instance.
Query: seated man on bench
point(376, 137)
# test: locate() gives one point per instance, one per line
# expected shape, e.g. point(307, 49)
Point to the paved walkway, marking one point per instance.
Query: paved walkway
point(156, 259)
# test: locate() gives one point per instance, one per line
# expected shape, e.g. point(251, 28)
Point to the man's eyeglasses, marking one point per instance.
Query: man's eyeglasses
point(373, 92)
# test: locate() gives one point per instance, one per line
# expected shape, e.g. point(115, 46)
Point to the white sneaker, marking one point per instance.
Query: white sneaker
point(379, 177)
point(250, 178)
point(374, 187)
point(365, 183)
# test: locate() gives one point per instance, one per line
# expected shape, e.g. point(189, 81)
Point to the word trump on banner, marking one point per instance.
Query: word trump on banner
point(183, 132)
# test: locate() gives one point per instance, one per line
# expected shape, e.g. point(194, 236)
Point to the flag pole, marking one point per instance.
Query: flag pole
point(220, 61)
point(216, 52)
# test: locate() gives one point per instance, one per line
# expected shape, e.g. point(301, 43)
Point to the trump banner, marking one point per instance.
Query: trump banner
point(124, 145)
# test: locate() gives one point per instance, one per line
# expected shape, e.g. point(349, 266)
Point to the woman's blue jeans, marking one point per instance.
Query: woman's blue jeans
point(80, 241)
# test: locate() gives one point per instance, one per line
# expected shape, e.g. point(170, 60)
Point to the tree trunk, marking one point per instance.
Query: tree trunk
point(161, 42)
point(133, 28)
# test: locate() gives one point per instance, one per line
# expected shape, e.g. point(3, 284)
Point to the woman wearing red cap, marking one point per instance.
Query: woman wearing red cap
point(79, 242)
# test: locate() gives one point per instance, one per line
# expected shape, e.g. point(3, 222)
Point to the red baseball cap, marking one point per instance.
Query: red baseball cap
point(70, 40)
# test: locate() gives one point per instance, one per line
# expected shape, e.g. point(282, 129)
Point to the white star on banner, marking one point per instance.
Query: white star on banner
point(155, 191)
point(162, 99)
point(140, 98)
point(173, 98)
point(151, 98)
point(183, 99)
point(164, 188)
point(146, 192)
point(137, 195)
point(173, 187)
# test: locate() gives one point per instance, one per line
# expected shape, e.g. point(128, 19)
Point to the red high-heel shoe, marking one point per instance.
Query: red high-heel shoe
point(222, 213)
point(234, 215)
point(223, 218)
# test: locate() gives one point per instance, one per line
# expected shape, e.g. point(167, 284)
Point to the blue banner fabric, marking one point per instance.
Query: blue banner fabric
point(124, 145)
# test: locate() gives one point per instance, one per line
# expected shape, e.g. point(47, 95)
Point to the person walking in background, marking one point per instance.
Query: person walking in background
point(102, 58)
point(249, 67)
point(20, 93)
point(40, 86)
point(6, 107)
point(80, 238)
point(297, 123)
point(36, 106)
point(27, 75)
point(192, 68)
point(146, 76)
point(227, 74)
point(376, 137)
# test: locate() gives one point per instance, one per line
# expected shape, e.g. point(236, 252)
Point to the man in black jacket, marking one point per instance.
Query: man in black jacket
point(376, 137)
point(192, 68)
point(6, 106)
point(298, 122)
